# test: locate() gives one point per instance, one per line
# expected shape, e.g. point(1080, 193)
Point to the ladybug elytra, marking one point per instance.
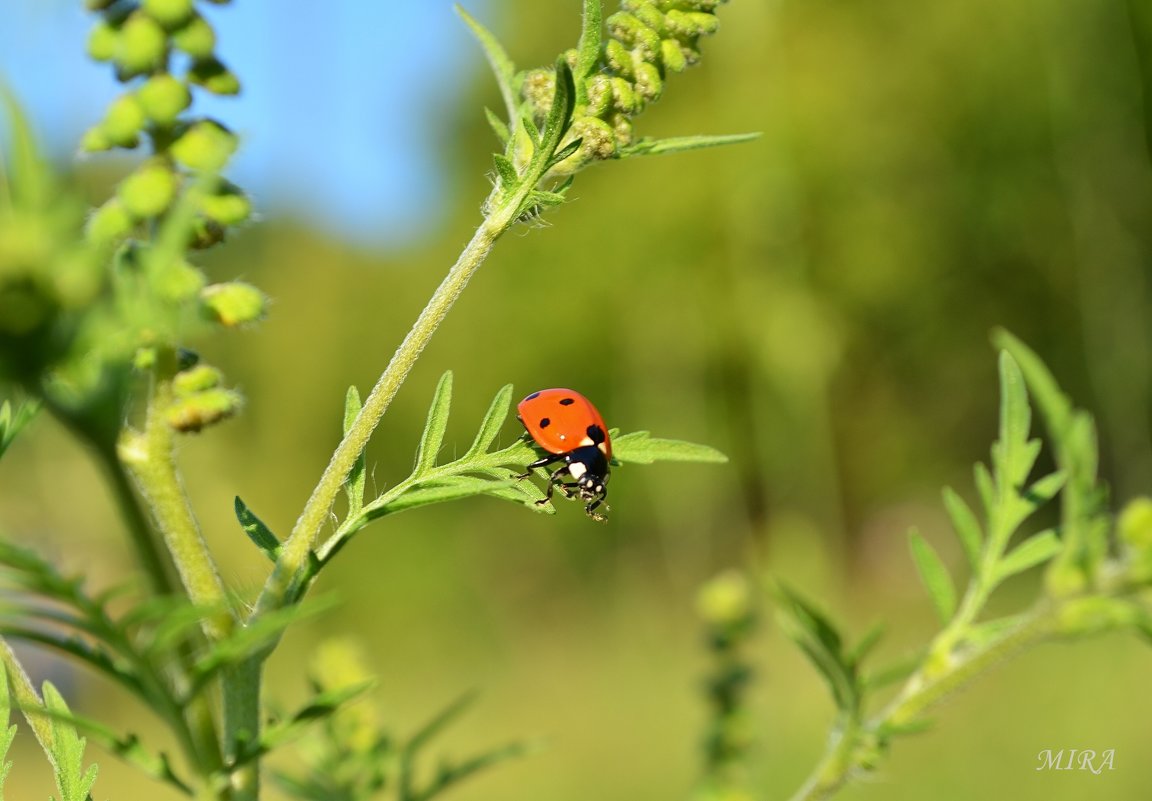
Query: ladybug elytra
point(566, 424)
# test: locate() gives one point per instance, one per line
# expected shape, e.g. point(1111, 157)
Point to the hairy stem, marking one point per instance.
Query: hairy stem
point(294, 558)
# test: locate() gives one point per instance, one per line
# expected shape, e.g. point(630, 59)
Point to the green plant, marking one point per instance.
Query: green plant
point(1097, 578)
point(95, 318)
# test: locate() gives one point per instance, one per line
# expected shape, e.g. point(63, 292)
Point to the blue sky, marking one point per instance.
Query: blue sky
point(336, 110)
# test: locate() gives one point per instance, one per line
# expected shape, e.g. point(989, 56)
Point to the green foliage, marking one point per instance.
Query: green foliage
point(12, 423)
point(67, 751)
point(7, 732)
point(1107, 596)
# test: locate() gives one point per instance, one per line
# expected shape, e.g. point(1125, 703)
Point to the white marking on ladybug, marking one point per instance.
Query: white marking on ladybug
point(577, 469)
point(586, 441)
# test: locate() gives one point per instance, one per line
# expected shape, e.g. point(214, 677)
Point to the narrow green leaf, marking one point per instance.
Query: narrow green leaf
point(934, 574)
point(452, 488)
point(888, 730)
point(12, 423)
point(555, 126)
point(31, 182)
point(1035, 550)
point(492, 423)
point(506, 172)
point(983, 634)
point(498, 126)
point(821, 643)
point(892, 674)
point(867, 643)
point(498, 59)
point(7, 732)
point(588, 50)
point(639, 447)
point(565, 152)
point(966, 525)
point(1013, 456)
point(259, 533)
point(986, 487)
point(1044, 489)
point(354, 484)
point(451, 773)
point(433, 436)
point(1052, 402)
point(679, 144)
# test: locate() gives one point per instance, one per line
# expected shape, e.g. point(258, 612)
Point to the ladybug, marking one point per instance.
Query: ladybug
point(567, 425)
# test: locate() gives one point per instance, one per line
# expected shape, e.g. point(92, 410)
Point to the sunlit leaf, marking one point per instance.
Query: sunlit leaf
point(256, 530)
point(436, 425)
point(679, 144)
point(498, 59)
point(966, 525)
point(1033, 551)
point(640, 447)
point(934, 575)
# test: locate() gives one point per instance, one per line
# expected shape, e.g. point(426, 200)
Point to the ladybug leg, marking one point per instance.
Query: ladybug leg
point(542, 462)
point(594, 503)
point(555, 481)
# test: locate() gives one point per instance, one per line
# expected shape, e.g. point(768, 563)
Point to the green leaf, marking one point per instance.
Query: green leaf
point(679, 144)
point(867, 643)
point(966, 525)
point(319, 707)
point(31, 182)
point(505, 172)
point(1045, 489)
point(448, 774)
point(259, 533)
point(983, 634)
point(555, 126)
point(67, 750)
point(499, 127)
point(7, 732)
point(564, 153)
point(1013, 455)
point(639, 447)
point(433, 436)
point(821, 643)
point(354, 484)
point(11, 423)
point(498, 59)
point(934, 574)
point(492, 423)
point(986, 486)
point(588, 50)
point(440, 490)
point(1033, 551)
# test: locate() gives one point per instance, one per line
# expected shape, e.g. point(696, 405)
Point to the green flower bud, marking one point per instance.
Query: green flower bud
point(142, 45)
point(124, 121)
point(624, 97)
point(538, 89)
point(1093, 615)
point(599, 95)
point(1064, 579)
point(205, 233)
point(649, 84)
point(619, 58)
point(572, 56)
point(180, 281)
point(649, 14)
point(202, 409)
point(196, 38)
point(149, 191)
point(109, 223)
point(622, 128)
point(634, 33)
point(163, 97)
point(95, 140)
point(103, 42)
point(169, 13)
point(196, 379)
point(229, 206)
point(597, 140)
point(206, 145)
point(692, 5)
point(726, 600)
point(673, 56)
point(214, 76)
point(691, 23)
point(234, 303)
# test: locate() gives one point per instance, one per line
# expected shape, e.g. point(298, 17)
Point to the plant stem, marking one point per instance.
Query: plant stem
point(241, 725)
point(294, 557)
point(853, 752)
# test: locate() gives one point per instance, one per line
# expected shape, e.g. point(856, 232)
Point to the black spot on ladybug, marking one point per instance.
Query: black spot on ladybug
point(567, 401)
point(533, 395)
point(545, 422)
point(596, 434)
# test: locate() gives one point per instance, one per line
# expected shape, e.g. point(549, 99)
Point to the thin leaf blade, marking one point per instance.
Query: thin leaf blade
point(493, 421)
point(1033, 551)
point(934, 574)
point(682, 144)
point(639, 447)
point(256, 530)
point(435, 426)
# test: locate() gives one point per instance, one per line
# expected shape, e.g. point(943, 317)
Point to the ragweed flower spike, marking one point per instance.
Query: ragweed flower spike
point(607, 82)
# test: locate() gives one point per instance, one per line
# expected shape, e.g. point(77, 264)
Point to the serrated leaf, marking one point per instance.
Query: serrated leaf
point(555, 126)
point(505, 172)
point(354, 483)
point(67, 749)
point(967, 526)
point(934, 574)
point(7, 732)
point(1035, 550)
point(1013, 455)
point(319, 707)
point(436, 425)
point(492, 423)
point(1044, 489)
point(680, 144)
point(502, 66)
point(639, 447)
point(565, 152)
point(498, 126)
point(256, 530)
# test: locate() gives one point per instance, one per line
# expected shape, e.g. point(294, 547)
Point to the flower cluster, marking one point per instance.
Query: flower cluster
point(176, 199)
point(647, 40)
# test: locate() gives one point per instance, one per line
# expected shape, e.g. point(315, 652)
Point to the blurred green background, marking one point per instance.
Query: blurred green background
point(816, 304)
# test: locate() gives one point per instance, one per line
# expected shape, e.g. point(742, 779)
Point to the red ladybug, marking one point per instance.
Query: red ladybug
point(567, 425)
